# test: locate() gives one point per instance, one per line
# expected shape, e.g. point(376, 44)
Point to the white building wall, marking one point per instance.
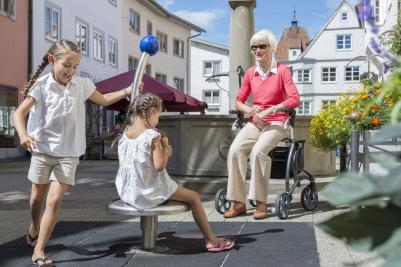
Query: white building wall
point(92, 12)
point(202, 51)
point(323, 53)
point(165, 63)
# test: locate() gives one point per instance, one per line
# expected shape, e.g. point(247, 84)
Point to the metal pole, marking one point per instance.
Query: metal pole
point(354, 150)
point(149, 230)
point(138, 75)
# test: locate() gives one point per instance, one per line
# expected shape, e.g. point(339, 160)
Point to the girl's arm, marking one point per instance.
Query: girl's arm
point(19, 116)
point(110, 98)
point(160, 154)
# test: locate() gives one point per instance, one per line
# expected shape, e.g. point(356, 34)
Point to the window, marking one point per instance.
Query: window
point(7, 8)
point(161, 77)
point(376, 12)
point(52, 23)
point(113, 51)
point(148, 69)
point(149, 28)
point(305, 108)
point(179, 84)
point(132, 63)
point(82, 36)
point(162, 41)
point(113, 2)
point(344, 42)
point(98, 45)
point(134, 21)
point(352, 74)
point(211, 67)
point(327, 103)
point(178, 48)
point(329, 74)
point(303, 76)
point(8, 105)
point(344, 16)
point(211, 97)
point(294, 52)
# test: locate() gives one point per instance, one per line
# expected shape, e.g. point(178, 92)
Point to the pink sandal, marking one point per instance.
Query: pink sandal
point(222, 246)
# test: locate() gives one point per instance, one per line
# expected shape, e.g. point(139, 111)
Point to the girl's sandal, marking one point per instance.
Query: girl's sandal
point(45, 261)
point(31, 240)
point(224, 244)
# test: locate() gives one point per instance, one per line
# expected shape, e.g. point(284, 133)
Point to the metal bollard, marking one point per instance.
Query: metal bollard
point(149, 231)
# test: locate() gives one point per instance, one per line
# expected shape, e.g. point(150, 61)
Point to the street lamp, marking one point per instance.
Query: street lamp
point(368, 58)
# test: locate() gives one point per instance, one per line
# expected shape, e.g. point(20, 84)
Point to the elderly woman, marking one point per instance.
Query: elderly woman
point(272, 88)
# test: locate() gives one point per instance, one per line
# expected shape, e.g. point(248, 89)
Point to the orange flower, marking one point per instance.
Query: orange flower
point(361, 115)
point(375, 121)
point(375, 108)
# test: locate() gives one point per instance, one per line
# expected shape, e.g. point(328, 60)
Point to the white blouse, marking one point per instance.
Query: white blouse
point(57, 119)
point(138, 182)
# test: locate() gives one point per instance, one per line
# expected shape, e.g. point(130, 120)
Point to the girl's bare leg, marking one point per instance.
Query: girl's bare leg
point(53, 204)
point(193, 200)
point(38, 193)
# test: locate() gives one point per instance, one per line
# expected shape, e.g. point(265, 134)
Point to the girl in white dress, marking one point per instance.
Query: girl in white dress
point(142, 180)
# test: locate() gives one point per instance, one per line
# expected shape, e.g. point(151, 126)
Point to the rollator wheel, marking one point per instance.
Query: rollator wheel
point(282, 205)
point(252, 202)
point(309, 198)
point(220, 201)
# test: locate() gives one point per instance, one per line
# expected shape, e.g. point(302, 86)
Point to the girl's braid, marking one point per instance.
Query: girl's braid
point(35, 76)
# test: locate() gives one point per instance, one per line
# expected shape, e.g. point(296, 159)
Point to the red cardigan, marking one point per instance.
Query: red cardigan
point(277, 88)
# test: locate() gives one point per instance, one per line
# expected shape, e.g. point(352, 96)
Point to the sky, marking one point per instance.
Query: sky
point(214, 15)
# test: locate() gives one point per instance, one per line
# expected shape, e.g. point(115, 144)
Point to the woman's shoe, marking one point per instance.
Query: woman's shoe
point(260, 215)
point(234, 212)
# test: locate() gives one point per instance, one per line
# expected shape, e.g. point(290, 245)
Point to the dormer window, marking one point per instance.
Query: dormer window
point(344, 16)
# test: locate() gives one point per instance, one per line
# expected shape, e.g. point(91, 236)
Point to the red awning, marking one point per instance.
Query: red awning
point(173, 100)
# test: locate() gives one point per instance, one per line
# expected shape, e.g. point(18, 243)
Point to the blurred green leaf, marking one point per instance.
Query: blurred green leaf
point(348, 188)
point(387, 132)
point(394, 260)
point(367, 229)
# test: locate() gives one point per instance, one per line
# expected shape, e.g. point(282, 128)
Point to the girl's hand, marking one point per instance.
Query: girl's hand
point(258, 117)
point(140, 87)
point(28, 143)
point(168, 151)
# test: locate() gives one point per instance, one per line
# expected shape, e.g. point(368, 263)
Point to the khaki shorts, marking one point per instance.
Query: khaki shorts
point(45, 168)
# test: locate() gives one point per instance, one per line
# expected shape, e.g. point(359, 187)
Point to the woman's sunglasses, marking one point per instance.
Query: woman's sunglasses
point(261, 47)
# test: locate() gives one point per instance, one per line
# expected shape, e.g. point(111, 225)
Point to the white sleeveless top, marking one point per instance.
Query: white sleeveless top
point(138, 182)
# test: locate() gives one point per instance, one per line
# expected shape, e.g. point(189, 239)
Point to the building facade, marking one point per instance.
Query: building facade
point(171, 64)
point(331, 64)
point(209, 75)
point(14, 54)
point(98, 36)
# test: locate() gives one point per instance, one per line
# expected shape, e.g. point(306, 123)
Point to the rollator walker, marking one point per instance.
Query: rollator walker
point(287, 163)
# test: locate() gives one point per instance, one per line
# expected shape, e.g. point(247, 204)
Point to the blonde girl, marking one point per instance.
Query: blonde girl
point(55, 135)
point(142, 180)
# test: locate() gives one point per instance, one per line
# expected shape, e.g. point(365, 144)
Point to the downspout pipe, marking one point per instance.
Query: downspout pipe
point(189, 61)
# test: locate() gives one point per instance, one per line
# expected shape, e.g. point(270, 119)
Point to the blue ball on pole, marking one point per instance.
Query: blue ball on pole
point(149, 44)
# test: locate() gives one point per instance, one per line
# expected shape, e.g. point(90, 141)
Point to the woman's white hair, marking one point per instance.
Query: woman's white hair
point(264, 36)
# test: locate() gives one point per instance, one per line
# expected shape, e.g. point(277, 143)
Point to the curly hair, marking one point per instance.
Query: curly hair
point(57, 50)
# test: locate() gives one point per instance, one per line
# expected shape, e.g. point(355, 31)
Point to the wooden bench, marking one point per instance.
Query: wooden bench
point(148, 217)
